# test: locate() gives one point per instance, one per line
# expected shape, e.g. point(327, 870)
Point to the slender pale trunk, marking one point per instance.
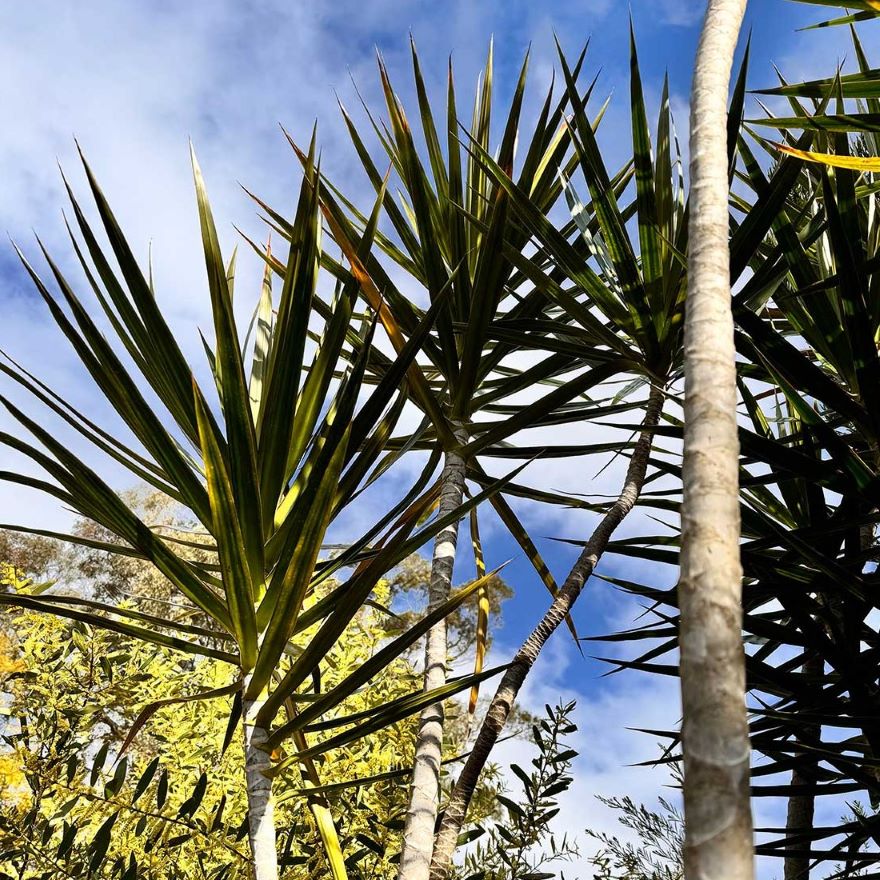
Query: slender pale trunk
point(261, 805)
point(424, 801)
point(715, 733)
point(502, 703)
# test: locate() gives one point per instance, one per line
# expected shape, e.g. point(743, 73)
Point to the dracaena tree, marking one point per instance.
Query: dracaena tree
point(640, 300)
point(809, 513)
point(830, 273)
point(458, 239)
point(806, 330)
point(824, 311)
point(629, 305)
point(264, 474)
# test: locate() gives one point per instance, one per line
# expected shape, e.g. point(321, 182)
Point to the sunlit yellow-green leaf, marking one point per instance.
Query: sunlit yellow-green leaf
point(853, 163)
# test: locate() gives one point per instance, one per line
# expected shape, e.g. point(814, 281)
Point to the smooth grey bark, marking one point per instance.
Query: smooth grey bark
point(261, 805)
point(715, 734)
point(502, 703)
point(424, 800)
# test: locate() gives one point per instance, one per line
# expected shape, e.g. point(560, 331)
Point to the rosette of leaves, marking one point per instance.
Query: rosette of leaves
point(266, 456)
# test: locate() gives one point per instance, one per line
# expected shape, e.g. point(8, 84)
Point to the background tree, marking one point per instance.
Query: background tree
point(521, 844)
point(175, 799)
point(657, 852)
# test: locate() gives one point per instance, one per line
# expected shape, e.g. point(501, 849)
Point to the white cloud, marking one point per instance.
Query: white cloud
point(683, 13)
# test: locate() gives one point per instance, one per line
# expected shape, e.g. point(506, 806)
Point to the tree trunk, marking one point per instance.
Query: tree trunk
point(801, 807)
point(799, 820)
point(502, 703)
point(261, 805)
point(424, 802)
point(715, 734)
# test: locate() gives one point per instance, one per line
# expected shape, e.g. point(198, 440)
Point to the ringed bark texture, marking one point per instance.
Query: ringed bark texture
point(261, 805)
point(502, 703)
point(718, 821)
point(424, 802)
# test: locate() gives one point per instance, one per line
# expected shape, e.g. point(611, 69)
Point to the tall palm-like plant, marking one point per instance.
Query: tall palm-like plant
point(718, 820)
point(456, 237)
point(265, 479)
point(833, 148)
point(806, 335)
point(827, 237)
point(637, 302)
point(809, 510)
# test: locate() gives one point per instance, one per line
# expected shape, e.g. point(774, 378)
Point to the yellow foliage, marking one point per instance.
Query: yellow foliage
point(853, 163)
point(82, 689)
point(13, 784)
point(9, 663)
point(86, 686)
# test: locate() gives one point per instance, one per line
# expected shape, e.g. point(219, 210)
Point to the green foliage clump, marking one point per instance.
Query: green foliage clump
point(520, 844)
point(658, 853)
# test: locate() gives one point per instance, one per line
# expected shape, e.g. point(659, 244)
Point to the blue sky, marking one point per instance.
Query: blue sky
point(133, 81)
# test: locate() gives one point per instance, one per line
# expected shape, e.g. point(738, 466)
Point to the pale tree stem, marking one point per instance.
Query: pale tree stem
point(424, 800)
point(261, 804)
point(715, 732)
point(502, 703)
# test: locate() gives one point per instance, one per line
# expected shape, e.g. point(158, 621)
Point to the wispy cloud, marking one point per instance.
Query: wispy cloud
point(682, 13)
